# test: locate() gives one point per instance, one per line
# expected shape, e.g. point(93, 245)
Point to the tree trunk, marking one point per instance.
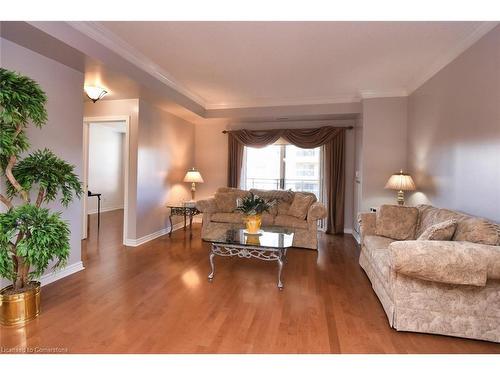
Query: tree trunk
point(22, 274)
point(19, 283)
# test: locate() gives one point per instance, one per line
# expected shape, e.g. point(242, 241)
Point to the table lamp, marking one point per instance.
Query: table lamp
point(401, 182)
point(193, 176)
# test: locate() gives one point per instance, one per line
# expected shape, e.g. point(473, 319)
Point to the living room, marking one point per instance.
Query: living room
point(278, 187)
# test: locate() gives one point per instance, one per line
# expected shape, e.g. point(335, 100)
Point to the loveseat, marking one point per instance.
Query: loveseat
point(449, 287)
point(219, 214)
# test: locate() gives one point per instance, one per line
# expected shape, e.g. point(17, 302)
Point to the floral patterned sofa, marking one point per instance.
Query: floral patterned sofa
point(449, 287)
point(219, 214)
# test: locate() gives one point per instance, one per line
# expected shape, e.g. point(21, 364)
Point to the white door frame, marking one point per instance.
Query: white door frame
point(86, 123)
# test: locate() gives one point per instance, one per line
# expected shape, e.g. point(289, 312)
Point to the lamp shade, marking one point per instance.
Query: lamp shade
point(95, 93)
point(400, 181)
point(193, 176)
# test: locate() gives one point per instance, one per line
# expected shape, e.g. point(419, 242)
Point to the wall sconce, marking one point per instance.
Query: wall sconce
point(95, 93)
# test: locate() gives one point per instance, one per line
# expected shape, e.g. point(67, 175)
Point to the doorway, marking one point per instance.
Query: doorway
point(106, 169)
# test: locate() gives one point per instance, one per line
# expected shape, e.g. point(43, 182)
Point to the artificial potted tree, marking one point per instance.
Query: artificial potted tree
point(31, 236)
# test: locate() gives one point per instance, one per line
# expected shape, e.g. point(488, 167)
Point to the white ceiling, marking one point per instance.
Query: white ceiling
point(248, 64)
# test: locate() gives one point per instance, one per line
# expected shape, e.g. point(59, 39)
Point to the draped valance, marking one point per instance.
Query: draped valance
point(332, 138)
point(303, 138)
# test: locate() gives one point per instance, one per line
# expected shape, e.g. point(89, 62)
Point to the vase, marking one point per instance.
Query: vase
point(20, 308)
point(252, 239)
point(253, 223)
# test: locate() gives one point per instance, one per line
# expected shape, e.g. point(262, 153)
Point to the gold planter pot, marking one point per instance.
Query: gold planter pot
point(20, 308)
point(253, 223)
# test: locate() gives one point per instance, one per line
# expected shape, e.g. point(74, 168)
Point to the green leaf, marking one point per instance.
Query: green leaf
point(44, 169)
point(45, 238)
point(253, 205)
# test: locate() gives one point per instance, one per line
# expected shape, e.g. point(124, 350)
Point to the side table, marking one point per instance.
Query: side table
point(186, 212)
point(98, 195)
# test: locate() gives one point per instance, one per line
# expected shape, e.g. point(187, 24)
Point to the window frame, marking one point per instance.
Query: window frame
point(282, 170)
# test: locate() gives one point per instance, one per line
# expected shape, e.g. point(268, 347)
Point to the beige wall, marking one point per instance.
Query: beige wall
point(128, 108)
point(384, 148)
point(454, 133)
point(161, 151)
point(63, 131)
point(106, 171)
point(165, 153)
point(358, 171)
point(211, 155)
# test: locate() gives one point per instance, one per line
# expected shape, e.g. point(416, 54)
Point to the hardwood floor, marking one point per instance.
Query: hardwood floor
point(156, 299)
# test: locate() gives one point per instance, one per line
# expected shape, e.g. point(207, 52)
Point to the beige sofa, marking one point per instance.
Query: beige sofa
point(442, 287)
point(219, 215)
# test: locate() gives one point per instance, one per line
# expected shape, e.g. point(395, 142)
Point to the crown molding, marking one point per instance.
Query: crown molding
point(260, 103)
point(108, 39)
point(450, 55)
point(370, 94)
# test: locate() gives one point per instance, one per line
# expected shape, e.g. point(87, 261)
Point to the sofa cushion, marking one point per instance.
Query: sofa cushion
point(227, 217)
point(273, 210)
point(443, 231)
point(429, 216)
point(477, 230)
point(397, 222)
point(283, 207)
point(300, 205)
point(469, 228)
point(239, 192)
point(267, 219)
point(376, 242)
point(289, 221)
point(281, 195)
point(226, 202)
point(382, 267)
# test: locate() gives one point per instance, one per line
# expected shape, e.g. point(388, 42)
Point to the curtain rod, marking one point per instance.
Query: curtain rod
point(346, 127)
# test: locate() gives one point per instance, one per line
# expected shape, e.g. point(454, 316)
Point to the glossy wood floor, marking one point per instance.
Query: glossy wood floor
point(156, 299)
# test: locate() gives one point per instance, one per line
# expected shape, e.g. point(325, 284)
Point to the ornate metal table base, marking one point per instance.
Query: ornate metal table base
point(187, 212)
point(269, 254)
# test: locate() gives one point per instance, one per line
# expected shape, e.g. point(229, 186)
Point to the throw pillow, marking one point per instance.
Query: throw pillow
point(226, 202)
point(282, 195)
point(439, 232)
point(273, 210)
point(300, 205)
point(283, 208)
point(397, 222)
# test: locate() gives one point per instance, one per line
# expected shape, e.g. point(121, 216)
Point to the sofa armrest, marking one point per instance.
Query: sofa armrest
point(367, 224)
point(317, 211)
point(451, 262)
point(207, 206)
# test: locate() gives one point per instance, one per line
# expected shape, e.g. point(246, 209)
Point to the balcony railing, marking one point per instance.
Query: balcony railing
point(308, 185)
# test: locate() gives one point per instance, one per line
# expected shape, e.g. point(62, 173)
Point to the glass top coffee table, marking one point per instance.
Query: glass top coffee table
point(270, 244)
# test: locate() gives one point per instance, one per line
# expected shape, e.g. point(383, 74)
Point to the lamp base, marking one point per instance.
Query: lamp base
point(193, 191)
point(401, 198)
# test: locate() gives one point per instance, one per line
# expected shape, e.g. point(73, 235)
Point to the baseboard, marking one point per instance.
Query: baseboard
point(197, 220)
point(53, 276)
point(142, 240)
point(59, 274)
point(348, 230)
point(92, 212)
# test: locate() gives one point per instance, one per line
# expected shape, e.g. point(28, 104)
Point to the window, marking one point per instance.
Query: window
point(283, 167)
